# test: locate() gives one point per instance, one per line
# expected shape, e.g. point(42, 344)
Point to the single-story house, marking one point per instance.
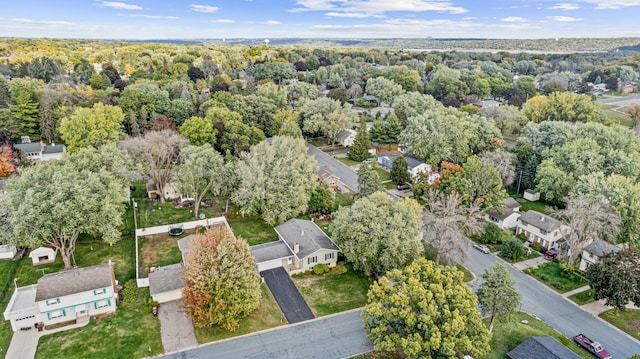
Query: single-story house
point(301, 245)
point(346, 137)
point(166, 283)
point(371, 99)
point(171, 192)
point(385, 159)
point(592, 253)
point(506, 216)
point(541, 347)
point(487, 103)
point(540, 228)
point(7, 251)
point(531, 195)
point(64, 298)
point(326, 175)
point(41, 152)
point(43, 255)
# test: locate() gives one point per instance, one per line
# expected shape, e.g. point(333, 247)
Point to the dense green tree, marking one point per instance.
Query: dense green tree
point(325, 116)
point(92, 127)
point(276, 179)
point(199, 172)
point(25, 112)
point(199, 131)
point(426, 311)
point(375, 245)
point(386, 130)
point(4, 93)
point(616, 278)
point(93, 203)
point(359, 151)
point(368, 181)
point(222, 284)
point(322, 200)
point(400, 170)
point(276, 71)
point(383, 89)
point(256, 111)
point(497, 295)
point(512, 249)
point(412, 104)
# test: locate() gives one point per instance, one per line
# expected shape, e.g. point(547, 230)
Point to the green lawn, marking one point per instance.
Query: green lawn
point(537, 206)
point(151, 214)
point(551, 274)
point(268, 315)
point(620, 118)
point(626, 320)
point(583, 297)
point(159, 250)
point(254, 230)
point(533, 254)
point(6, 266)
point(132, 332)
point(334, 292)
point(344, 199)
point(347, 161)
point(384, 175)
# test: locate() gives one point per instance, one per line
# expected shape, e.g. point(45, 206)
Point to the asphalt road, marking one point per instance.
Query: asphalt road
point(557, 311)
point(621, 101)
point(346, 174)
point(337, 336)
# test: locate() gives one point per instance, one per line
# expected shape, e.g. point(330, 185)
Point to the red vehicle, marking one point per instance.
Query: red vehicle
point(593, 347)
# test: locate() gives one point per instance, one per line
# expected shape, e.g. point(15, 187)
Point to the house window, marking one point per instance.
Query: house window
point(102, 303)
point(329, 256)
point(100, 291)
point(56, 314)
point(311, 260)
point(53, 301)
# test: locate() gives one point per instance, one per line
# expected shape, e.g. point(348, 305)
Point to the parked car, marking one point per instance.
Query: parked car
point(404, 187)
point(593, 347)
point(551, 254)
point(482, 248)
point(368, 161)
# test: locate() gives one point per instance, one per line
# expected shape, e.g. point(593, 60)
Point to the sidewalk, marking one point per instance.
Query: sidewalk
point(24, 344)
point(529, 263)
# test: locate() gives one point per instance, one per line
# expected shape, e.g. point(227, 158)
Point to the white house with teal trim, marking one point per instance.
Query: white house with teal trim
point(66, 297)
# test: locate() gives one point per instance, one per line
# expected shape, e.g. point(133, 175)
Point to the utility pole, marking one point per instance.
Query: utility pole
point(519, 180)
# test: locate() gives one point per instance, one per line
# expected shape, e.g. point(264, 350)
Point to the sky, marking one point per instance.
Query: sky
point(263, 19)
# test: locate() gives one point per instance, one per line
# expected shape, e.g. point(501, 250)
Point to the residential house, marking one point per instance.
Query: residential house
point(171, 192)
point(326, 175)
point(42, 255)
point(385, 159)
point(592, 253)
point(383, 111)
point(41, 152)
point(301, 246)
point(346, 137)
point(371, 99)
point(540, 228)
point(541, 347)
point(66, 297)
point(8, 251)
point(506, 216)
point(487, 103)
point(166, 283)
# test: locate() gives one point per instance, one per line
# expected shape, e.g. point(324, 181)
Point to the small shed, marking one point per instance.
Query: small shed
point(531, 195)
point(7, 251)
point(42, 255)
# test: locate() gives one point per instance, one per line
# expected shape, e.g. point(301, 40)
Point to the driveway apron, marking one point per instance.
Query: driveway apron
point(289, 299)
point(176, 328)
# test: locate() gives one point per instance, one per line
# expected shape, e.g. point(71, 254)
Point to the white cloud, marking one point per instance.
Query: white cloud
point(565, 7)
point(378, 6)
point(354, 15)
point(36, 22)
point(204, 8)
point(612, 4)
point(563, 18)
point(223, 21)
point(120, 5)
point(272, 22)
point(513, 19)
point(150, 16)
point(404, 27)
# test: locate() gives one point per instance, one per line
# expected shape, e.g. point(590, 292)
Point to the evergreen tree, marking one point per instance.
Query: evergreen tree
point(368, 181)
point(497, 295)
point(360, 149)
point(25, 112)
point(400, 170)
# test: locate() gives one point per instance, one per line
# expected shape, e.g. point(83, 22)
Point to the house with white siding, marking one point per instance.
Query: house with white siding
point(506, 216)
point(301, 245)
point(540, 228)
point(592, 253)
point(63, 298)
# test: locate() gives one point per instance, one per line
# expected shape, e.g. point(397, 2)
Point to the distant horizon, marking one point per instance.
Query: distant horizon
point(321, 19)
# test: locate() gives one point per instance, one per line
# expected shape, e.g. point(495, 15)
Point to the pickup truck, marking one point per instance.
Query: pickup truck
point(593, 347)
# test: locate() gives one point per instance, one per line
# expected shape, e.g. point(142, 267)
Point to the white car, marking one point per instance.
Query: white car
point(482, 248)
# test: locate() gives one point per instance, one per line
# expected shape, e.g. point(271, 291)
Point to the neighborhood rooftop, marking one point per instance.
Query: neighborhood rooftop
point(540, 220)
point(601, 248)
point(166, 279)
point(412, 161)
point(541, 347)
point(73, 281)
point(307, 234)
point(269, 251)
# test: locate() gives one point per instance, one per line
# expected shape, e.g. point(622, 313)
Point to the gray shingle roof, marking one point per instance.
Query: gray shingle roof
point(510, 206)
point(307, 234)
point(270, 251)
point(73, 281)
point(541, 348)
point(344, 134)
point(511, 203)
point(601, 248)
point(540, 220)
point(28, 147)
point(184, 244)
point(412, 161)
point(54, 149)
point(166, 279)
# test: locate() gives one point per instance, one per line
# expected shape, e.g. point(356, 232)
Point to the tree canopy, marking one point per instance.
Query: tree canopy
point(92, 127)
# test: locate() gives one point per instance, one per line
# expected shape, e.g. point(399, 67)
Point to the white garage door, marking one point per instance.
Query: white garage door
point(168, 296)
point(269, 264)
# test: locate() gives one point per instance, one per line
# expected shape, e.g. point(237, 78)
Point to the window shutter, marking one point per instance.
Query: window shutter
point(48, 315)
point(95, 305)
point(108, 302)
point(57, 300)
point(64, 313)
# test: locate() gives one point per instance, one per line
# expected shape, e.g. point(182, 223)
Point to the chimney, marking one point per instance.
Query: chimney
point(302, 233)
point(296, 248)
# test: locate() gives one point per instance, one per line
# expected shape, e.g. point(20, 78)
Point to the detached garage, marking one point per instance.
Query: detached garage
point(271, 255)
point(166, 284)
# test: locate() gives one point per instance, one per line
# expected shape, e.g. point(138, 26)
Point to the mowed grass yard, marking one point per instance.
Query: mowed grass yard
point(583, 297)
point(6, 266)
point(253, 230)
point(553, 275)
point(159, 250)
point(268, 315)
point(626, 320)
point(339, 290)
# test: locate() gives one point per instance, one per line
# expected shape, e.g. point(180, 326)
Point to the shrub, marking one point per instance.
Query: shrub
point(321, 269)
point(536, 246)
point(522, 237)
point(129, 293)
point(339, 269)
point(492, 234)
point(512, 249)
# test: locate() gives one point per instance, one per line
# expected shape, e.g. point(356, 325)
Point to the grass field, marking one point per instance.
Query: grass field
point(254, 230)
point(333, 292)
point(132, 332)
point(537, 206)
point(552, 275)
point(583, 297)
point(268, 315)
point(626, 320)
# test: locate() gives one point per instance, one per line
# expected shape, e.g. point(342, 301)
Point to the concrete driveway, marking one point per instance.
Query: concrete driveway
point(289, 299)
point(176, 328)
